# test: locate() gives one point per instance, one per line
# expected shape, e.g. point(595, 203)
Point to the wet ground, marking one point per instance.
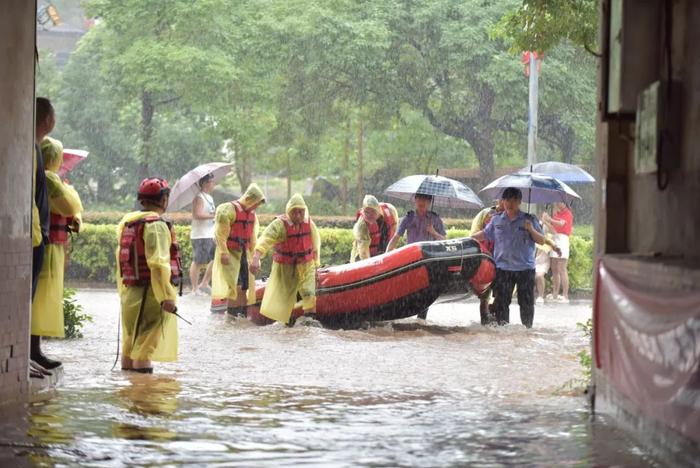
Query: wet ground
point(444, 392)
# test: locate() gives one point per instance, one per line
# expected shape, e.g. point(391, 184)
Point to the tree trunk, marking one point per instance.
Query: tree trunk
point(346, 168)
point(147, 111)
point(360, 162)
point(289, 175)
point(483, 148)
point(243, 163)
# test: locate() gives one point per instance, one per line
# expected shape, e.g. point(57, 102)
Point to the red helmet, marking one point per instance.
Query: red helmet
point(153, 188)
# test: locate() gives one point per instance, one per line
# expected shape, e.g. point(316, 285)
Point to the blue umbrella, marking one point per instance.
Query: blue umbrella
point(536, 188)
point(567, 173)
point(446, 193)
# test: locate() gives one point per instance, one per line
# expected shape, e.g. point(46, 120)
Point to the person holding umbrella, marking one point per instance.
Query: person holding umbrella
point(514, 234)
point(375, 226)
point(422, 224)
point(236, 229)
point(296, 246)
point(202, 235)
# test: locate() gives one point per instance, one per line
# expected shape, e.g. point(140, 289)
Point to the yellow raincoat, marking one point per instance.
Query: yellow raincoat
point(225, 277)
point(47, 307)
point(288, 280)
point(152, 336)
point(360, 231)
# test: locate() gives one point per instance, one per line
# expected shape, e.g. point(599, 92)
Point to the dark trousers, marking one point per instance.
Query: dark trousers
point(503, 291)
point(37, 263)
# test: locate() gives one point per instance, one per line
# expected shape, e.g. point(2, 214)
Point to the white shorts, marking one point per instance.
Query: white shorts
point(541, 263)
point(562, 241)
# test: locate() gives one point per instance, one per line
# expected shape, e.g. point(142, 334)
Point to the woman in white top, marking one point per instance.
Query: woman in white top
point(202, 235)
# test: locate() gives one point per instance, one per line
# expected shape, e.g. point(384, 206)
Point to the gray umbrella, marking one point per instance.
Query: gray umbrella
point(446, 193)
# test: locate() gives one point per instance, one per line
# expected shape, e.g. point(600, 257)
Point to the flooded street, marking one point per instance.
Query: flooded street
point(437, 393)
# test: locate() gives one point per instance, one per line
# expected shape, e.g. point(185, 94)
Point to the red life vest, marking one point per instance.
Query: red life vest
point(241, 229)
point(58, 229)
point(380, 232)
point(132, 254)
point(298, 247)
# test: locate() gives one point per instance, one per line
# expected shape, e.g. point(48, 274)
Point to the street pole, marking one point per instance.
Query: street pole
point(532, 112)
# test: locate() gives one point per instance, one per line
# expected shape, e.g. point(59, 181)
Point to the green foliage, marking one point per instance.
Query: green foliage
point(160, 86)
point(580, 265)
point(93, 256)
point(74, 317)
point(542, 24)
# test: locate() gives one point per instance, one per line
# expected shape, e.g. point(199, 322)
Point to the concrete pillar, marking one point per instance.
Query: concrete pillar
point(17, 39)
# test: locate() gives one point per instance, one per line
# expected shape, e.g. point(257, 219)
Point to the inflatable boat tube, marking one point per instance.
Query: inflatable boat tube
point(394, 285)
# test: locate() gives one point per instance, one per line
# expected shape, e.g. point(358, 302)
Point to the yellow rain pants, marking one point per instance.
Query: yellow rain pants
point(148, 332)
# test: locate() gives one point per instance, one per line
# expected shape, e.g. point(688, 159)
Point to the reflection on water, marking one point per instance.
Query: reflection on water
point(442, 392)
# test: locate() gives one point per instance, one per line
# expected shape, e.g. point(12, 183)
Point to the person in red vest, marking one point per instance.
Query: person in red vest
point(235, 231)
point(562, 223)
point(296, 245)
point(375, 226)
point(148, 267)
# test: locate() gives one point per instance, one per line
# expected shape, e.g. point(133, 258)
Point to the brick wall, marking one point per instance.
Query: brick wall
point(17, 38)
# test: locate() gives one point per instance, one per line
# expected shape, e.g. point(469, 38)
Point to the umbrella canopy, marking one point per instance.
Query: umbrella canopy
point(446, 193)
point(567, 173)
point(187, 187)
point(536, 188)
point(71, 158)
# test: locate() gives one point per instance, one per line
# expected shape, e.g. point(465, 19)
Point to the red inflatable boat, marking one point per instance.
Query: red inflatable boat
point(394, 285)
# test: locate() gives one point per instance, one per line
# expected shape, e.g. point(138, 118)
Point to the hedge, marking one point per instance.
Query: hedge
point(185, 219)
point(92, 256)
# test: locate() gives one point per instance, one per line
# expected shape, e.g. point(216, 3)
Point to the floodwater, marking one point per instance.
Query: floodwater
point(444, 392)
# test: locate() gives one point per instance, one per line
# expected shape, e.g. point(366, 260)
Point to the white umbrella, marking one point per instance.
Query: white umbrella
point(187, 187)
point(536, 188)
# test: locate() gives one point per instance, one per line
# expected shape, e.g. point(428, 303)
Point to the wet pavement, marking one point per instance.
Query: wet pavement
point(440, 392)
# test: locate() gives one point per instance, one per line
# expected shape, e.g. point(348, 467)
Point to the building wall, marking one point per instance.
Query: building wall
point(17, 38)
point(667, 221)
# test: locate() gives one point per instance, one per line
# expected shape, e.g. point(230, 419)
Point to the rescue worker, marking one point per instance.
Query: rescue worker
point(296, 245)
point(480, 221)
point(148, 267)
point(420, 225)
point(235, 231)
point(375, 226)
point(64, 214)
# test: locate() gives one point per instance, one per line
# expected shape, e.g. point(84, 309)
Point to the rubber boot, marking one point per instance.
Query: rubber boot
point(37, 356)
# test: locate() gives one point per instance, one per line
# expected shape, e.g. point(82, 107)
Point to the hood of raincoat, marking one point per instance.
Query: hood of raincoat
point(370, 201)
point(297, 201)
point(52, 150)
point(252, 195)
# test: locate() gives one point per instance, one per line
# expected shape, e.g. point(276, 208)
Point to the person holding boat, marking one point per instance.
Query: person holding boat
point(148, 266)
point(375, 226)
point(296, 245)
point(480, 221)
point(235, 232)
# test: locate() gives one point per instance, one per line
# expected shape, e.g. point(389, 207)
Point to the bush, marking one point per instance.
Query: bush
point(93, 253)
point(73, 315)
point(185, 219)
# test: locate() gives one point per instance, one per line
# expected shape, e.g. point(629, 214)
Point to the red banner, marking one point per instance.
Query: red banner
point(647, 340)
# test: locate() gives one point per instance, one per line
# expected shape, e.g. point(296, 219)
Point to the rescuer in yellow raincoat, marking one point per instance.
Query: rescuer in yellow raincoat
point(147, 265)
point(376, 225)
point(296, 245)
point(64, 203)
point(235, 232)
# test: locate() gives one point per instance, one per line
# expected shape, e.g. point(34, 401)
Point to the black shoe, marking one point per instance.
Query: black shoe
point(144, 370)
point(45, 362)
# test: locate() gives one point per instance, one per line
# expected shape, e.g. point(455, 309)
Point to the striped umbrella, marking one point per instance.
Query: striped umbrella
point(446, 193)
